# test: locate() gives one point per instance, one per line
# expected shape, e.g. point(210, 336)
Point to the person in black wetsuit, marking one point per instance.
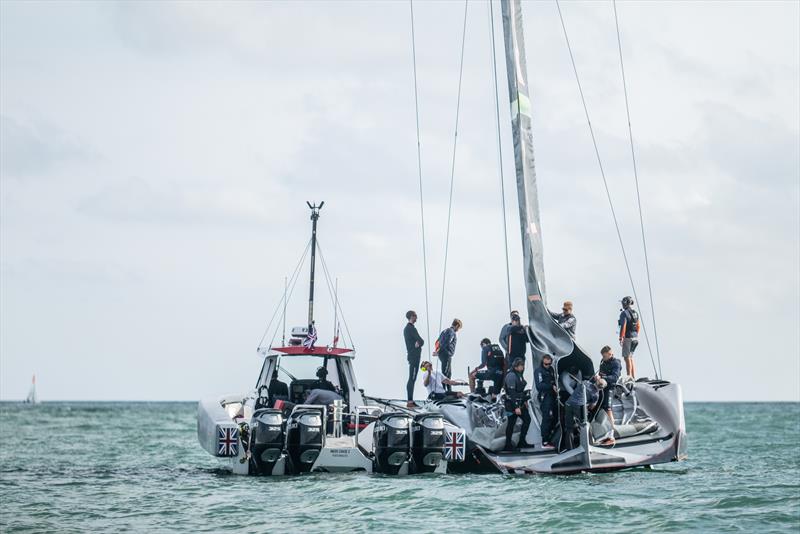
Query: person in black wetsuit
point(277, 390)
point(517, 341)
point(491, 368)
point(322, 380)
point(545, 379)
point(516, 405)
point(414, 344)
point(610, 369)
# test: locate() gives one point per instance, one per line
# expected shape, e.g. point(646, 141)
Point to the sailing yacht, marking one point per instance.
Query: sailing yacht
point(32, 397)
point(280, 429)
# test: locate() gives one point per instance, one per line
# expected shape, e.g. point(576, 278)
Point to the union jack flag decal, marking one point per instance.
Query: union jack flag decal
point(227, 441)
point(454, 445)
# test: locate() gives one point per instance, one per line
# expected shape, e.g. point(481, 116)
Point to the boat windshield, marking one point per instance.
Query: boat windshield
point(305, 368)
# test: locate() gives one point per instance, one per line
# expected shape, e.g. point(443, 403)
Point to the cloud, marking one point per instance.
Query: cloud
point(31, 149)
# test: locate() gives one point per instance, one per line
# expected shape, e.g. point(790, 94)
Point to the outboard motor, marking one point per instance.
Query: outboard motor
point(304, 438)
point(428, 442)
point(266, 440)
point(392, 442)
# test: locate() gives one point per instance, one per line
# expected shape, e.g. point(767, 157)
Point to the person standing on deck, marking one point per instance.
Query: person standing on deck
point(517, 341)
point(414, 345)
point(447, 348)
point(545, 380)
point(565, 319)
point(516, 405)
point(629, 327)
point(505, 330)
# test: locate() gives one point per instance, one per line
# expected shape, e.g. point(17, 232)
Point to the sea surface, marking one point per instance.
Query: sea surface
point(137, 467)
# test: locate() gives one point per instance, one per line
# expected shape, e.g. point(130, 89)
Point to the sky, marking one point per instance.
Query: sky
point(155, 161)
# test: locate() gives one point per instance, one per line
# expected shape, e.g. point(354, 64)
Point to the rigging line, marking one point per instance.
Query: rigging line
point(453, 164)
point(419, 169)
point(281, 301)
point(335, 301)
point(636, 180)
point(603, 175)
point(500, 152)
point(339, 302)
point(289, 296)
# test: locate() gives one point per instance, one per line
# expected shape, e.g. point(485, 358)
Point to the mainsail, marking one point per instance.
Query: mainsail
point(546, 336)
point(32, 398)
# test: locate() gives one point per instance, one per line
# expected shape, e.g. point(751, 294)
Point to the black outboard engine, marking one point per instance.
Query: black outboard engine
point(304, 438)
point(266, 440)
point(392, 441)
point(428, 442)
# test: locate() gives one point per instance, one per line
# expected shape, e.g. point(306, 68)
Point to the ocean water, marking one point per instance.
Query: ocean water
point(137, 467)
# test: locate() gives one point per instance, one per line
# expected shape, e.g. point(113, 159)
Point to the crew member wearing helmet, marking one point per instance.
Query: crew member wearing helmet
point(629, 327)
point(322, 380)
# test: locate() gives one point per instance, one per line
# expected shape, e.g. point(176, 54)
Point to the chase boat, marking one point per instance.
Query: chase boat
point(259, 432)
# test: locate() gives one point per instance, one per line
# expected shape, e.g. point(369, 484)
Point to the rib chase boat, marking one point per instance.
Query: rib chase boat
point(275, 431)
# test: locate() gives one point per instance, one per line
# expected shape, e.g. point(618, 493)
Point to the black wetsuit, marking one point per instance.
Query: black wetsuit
point(414, 344)
point(545, 379)
point(517, 344)
point(515, 398)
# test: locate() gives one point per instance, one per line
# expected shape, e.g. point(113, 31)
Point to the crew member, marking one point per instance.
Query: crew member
point(517, 341)
point(277, 390)
point(414, 344)
point(610, 370)
point(491, 368)
point(516, 405)
point(436, 382)
point(545, 379)
point(629, 326)
point(322, 396)
point(584, 397)
point(565, 319)
point(322, 380)
point(447, 348)
point(503, 339)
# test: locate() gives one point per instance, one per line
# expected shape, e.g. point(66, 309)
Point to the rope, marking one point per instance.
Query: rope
point(337, 303)
point(636, 180)
point(500, 152)
point(453, 164)
point(603, 175)
point(294, 274)
point(419, 168)
point(293, 282)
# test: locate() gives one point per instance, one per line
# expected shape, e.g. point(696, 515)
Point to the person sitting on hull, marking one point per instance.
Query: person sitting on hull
point(565, 319)
point(277, 390)
point(629, 326)
point(583, 397)
point(610, 370)
point(517, 341)
point(322, 380)
point(491, 368)
point(435, 382)
point(516, 405)
point(545, 380)
point(447, 348)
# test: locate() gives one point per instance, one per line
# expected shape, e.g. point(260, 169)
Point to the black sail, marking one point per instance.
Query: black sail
point(547, 337)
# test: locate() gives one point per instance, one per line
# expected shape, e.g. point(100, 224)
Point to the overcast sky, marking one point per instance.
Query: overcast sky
point(156, 159)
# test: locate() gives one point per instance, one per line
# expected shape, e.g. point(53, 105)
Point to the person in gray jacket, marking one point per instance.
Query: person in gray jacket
point(506, 330)
point(565, 319)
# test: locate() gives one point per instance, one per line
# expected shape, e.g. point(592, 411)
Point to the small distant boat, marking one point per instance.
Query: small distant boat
point(32, 397)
